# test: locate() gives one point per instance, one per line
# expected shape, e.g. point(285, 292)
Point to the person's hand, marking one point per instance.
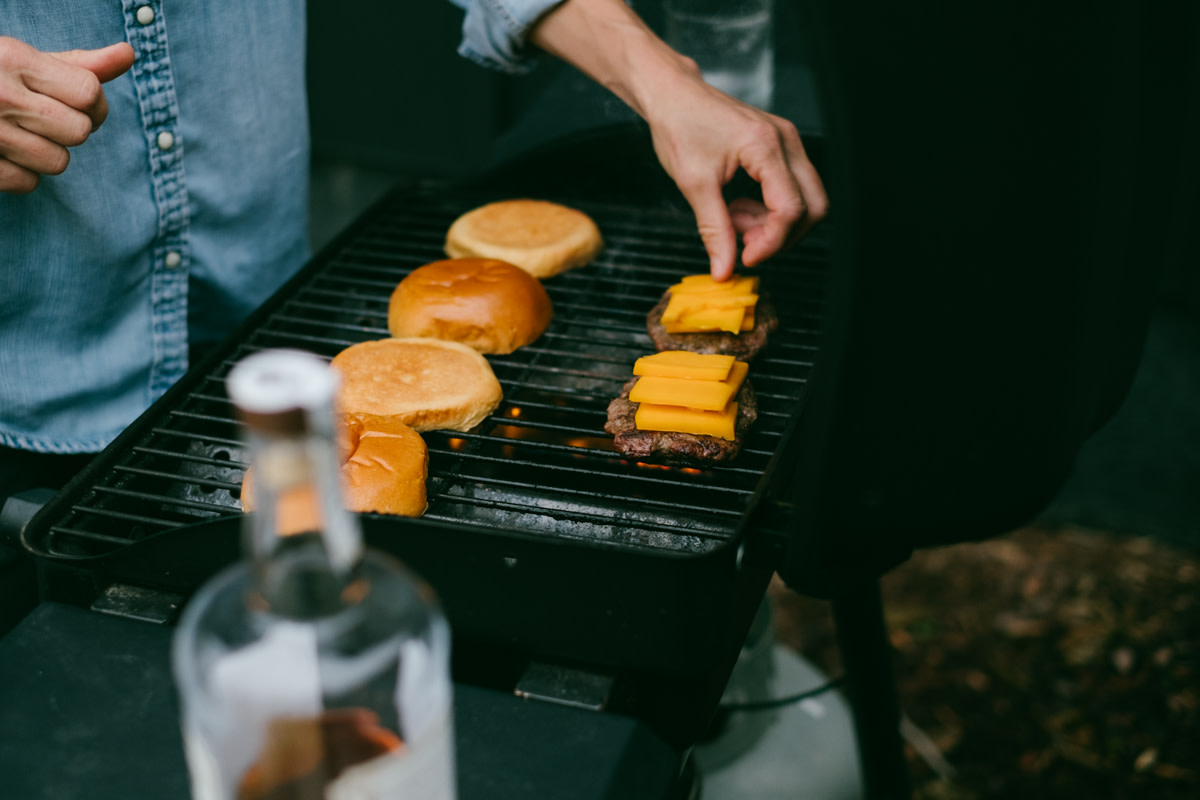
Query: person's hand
point(49, 102)
point(702, 136)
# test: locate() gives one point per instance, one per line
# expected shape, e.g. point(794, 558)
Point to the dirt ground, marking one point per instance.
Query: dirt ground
point(1047, 663)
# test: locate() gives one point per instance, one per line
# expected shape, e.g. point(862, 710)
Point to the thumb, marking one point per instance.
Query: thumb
point(106, 63)
point(716, 229)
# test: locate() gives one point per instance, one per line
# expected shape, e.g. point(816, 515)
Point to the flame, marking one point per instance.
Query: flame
point(668, 468)
point(456, 443)
point(514, 412)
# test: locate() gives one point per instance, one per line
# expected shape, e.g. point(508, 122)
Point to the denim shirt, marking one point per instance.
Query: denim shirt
point(183, 212)
point(186, 210)
point(495, 32)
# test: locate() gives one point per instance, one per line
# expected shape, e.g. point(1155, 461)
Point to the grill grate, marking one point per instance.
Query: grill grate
point(541, 465)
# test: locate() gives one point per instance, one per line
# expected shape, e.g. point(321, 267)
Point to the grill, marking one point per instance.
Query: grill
point(541, 539)
point(541, 465)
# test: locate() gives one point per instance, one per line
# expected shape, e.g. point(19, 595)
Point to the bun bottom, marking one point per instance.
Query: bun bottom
point(384, 468)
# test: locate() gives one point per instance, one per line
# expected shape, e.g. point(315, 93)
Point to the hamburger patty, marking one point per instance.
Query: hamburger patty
point(672, 447)
point(743, 346)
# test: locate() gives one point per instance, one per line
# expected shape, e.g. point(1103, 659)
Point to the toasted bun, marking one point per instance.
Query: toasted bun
point(384, 466)
point(541, 238)
point(429, 384)
point(488, 305)
point(387, 467)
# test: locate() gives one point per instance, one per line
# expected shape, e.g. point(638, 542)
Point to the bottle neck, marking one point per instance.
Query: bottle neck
point(303, 542)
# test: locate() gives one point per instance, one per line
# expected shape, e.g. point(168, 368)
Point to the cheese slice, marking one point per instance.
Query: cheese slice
point(701, 395)
point(708, 319)
point(681, 304)
point(693, 284)
point(652, 417)
point(748, 320)
point(684, 364)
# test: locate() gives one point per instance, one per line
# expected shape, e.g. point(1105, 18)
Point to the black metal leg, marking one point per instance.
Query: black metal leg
point(871, 687)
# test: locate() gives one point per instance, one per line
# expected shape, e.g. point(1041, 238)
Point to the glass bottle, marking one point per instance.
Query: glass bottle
point(313, 668)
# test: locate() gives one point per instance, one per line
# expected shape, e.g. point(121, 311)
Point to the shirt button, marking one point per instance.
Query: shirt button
point(145, 15)
point(172, 260)
point(166, 140)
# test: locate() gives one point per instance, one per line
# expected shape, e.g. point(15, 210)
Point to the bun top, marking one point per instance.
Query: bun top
point(428, 384)
point(540, 237)
point(486, 304)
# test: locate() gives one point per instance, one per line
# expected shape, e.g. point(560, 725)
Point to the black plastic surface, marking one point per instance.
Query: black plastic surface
point(88, 710)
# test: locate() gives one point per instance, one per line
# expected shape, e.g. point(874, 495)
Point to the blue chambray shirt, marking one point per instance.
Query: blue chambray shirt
point(185, 211)
point(182, 213)
point(495, 32)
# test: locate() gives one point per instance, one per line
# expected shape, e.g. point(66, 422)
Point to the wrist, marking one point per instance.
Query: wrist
point(609, 43)
point(651, 73)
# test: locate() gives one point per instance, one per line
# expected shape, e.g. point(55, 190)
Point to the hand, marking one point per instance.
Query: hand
point(702, 136)
point(49, 102)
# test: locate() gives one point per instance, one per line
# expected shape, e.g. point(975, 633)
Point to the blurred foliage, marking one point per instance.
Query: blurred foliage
point(1047, 663)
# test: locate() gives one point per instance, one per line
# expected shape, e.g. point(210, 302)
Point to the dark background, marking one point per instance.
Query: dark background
point(441, 117)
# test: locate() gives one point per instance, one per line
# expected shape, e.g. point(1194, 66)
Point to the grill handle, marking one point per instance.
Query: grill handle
point(18, 510)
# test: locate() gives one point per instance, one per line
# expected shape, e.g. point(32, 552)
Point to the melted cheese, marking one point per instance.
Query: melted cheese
point(683, 364)
point(651, 417)
point(700, 395)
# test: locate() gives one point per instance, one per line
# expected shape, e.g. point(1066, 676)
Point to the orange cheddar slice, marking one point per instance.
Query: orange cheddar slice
point(700, 395)
point(681, 304)
point(651, 417)
point(708, 319)
point(748, 320)
point(684, 364)
point(693, 284)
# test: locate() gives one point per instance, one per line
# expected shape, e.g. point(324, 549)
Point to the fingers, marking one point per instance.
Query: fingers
point(105, 63)
point(15, 179)
point(812, 188)
point(794, 197)
point(33, 152)
point(48, 118)
point(58, 80)
point(712, 220)
point(49, 102)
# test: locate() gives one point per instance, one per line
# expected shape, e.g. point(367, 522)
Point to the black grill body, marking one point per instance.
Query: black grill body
point(540, 538)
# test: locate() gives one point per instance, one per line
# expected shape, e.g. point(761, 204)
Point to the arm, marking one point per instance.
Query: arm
point(700, 135)
point(49, 102)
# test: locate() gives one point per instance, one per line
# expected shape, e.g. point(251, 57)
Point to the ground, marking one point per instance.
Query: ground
point(1047, 663)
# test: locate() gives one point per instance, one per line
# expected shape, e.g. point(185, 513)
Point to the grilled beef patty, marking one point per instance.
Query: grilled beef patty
point(672, 447)
point(743, 346)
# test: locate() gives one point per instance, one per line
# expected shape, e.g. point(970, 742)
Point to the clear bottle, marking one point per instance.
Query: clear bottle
point(313, 668)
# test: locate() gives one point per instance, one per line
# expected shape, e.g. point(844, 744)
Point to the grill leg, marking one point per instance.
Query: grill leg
point(871, 687)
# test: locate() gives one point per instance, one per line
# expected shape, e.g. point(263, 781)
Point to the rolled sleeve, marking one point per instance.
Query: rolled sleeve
point(496, 32)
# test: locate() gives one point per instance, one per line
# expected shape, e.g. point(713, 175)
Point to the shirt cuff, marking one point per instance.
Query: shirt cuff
point(495, 32)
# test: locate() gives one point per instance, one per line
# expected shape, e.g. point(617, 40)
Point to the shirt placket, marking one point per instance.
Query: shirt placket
point(146, 31)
